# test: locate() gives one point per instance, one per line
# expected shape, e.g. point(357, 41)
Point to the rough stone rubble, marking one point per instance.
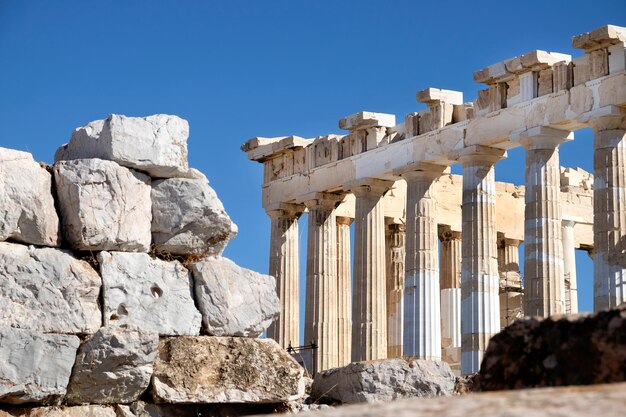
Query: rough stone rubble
point(113, 280)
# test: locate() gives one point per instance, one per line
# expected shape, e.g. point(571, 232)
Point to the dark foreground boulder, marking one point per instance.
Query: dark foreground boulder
point(565, 350)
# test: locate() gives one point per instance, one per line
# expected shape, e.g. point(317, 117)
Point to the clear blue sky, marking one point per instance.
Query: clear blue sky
point(238, 69)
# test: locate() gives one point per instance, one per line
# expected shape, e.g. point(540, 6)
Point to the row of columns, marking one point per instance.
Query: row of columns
point(377, 329)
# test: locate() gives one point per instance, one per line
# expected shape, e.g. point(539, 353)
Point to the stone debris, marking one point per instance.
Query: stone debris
point(155, 144)
point(103, 206)
point(295, 407)
point(47, 290)
point(113, 366)
point(466, 384)
point(542, 353)
point(188, 218)
point(234, 301)
point(27, 213)
point(208, 369)
point(34, 367)
point(383, 380)
point(147, 293)
point(78, 411)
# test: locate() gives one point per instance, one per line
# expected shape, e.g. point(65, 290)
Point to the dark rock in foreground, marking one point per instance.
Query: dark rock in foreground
point(564, 350)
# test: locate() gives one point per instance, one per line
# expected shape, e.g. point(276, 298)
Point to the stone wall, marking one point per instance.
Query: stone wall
point(114, 296)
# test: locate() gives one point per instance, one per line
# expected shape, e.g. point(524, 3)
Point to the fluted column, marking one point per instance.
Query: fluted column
point(395, 288)
point(511, 292)
point(508, 256)
point(609, 209)
point(450, 265)
point(543, 246)
point(480, 306)
point(344, 293)
point(450, 277)
point(369, 306)
point(320, 324)
point(422, 319)
point(284, 265)
point(569, 267)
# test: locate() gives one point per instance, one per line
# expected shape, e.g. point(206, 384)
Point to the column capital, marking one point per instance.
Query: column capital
point(568, 223)
point(446, 234)
point(369, 186)
point(605, 118)
point(289, 210)
point(422, 170)
point(396, 227)
point(542, 137)
point(322, 200)
point(347, 221)
point(479, 154)
point(503, 242)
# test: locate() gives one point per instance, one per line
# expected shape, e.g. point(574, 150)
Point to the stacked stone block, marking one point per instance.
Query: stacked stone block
point(113, 287)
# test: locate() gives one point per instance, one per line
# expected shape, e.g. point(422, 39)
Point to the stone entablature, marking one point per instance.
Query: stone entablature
point(535, 100)
point(576, 200)
point(378, 148)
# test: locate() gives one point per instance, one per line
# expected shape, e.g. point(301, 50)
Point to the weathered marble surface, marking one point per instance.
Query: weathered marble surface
point(155, 144)
point(103, 206)
point(113, 366)
point(34, 367)
point(562, 350)
point(27, 212)
point(47, 290)
point(233, 301)
point(147, 293)
point(189, 218)
point(383, 380)
point(225, 370)
point(582, 401)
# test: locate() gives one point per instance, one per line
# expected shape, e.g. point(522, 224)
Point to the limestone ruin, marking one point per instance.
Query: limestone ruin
point(392, 179)
point(115, 299)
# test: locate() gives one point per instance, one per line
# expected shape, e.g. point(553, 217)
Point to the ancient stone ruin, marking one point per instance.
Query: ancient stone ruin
point(392, 179)
point(116, 301)
point(114, 297)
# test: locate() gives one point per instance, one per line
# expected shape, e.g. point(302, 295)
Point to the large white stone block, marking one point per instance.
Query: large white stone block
point(599, 38)
point(147, 293)
point(188, 218)
point(113, 366)
point(234, 301)
point(436, 95)
point(155, 144)
point(27, 212)
point(34, 367)
point(366, 119)
point(104, 206)
point(47, 290)
point(209, 369)
point(384, 380)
